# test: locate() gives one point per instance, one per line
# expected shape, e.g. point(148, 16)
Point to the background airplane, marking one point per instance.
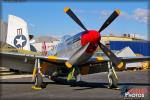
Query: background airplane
point(71, 57)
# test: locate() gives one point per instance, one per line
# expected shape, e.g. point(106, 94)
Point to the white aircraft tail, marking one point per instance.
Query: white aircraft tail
point(17, 33)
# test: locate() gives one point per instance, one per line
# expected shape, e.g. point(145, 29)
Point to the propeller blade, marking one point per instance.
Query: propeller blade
point(76, 57)
point(74, 17)
point(112, 17)
point(112, 56)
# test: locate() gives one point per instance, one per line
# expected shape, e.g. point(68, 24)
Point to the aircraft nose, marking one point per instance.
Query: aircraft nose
point(91, 36)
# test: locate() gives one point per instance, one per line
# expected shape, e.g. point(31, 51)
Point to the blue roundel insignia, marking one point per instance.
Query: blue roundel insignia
point(20, 41)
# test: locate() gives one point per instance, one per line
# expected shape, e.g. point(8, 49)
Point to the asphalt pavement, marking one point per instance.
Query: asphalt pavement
point(92, 87)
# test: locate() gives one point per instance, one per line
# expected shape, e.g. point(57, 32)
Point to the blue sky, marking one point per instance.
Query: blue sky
point(48, 18)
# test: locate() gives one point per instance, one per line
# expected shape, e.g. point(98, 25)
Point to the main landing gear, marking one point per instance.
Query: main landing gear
point(74, 73)
point(112, 77)
point(37, 76)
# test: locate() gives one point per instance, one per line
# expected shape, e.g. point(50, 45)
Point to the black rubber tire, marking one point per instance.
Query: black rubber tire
point(38, 80)
point(113, 83)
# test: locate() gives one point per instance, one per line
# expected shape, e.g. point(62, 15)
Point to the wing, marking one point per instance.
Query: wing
point(99, 64)
point(136, 59)
point(25, 62)
point(125, 59)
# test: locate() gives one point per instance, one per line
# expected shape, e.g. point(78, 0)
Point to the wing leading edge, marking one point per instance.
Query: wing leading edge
point(21, 58)
point(57, 59)
point(31, 56)
point(124, 59)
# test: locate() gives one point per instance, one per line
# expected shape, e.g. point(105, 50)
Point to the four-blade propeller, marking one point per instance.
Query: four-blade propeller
point(115, 60)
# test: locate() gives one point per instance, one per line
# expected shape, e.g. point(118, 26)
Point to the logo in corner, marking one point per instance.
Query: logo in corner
point(129, 92)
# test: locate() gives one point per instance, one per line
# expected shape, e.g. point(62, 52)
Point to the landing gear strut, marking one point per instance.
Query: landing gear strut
point(112, 77)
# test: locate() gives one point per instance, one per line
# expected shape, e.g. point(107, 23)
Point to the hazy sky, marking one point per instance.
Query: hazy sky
point(48, 18)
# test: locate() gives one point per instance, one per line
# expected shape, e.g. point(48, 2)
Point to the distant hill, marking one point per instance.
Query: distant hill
point(45, 39)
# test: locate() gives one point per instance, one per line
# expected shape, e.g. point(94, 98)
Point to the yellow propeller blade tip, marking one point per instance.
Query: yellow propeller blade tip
point(118, 11)
point(68, 64)
point(66, 9)
point(120, 65)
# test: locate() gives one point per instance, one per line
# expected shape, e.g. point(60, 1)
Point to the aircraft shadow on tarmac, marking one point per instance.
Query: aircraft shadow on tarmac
point(73, 83)
point(91, 85)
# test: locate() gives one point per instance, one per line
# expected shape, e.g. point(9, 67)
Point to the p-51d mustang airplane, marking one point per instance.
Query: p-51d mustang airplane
point(72, 55)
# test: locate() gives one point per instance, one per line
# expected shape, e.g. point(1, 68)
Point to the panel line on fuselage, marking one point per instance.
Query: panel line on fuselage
point(67, 47)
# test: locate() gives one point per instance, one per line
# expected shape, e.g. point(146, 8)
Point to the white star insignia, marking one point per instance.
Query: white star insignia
point(20, 41)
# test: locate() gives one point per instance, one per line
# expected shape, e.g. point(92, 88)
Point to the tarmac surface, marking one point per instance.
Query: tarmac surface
point(93, 87)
